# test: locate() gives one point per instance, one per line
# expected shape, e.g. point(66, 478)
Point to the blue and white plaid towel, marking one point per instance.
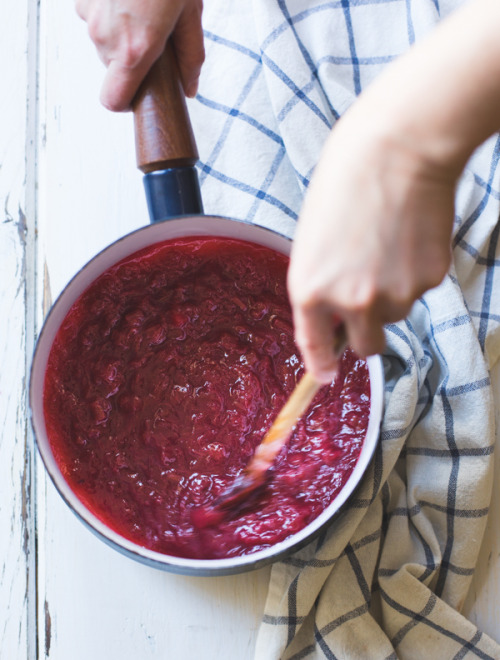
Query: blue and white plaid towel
point(389, 578)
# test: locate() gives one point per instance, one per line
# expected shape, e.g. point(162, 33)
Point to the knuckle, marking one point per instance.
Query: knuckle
point(300, 293)
point(404, 294)
point(97, 30)
point(80, 8)
point(132, 51)
point(361, 298)
point(140, 46)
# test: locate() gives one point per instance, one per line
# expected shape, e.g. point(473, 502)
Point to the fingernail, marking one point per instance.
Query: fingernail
point(191, 89)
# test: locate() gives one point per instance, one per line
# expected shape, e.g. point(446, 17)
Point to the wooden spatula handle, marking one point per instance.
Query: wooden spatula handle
point(297, 404)
point(294, 408)
point(283, 425)
point(163, 133)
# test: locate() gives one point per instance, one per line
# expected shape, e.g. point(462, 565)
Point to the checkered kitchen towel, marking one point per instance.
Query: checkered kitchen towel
point(389, 577)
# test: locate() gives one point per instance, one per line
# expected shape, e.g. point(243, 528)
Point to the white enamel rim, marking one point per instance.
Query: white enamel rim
point(169, 229)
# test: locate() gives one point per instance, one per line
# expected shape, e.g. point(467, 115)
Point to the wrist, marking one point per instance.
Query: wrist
point(440, 100)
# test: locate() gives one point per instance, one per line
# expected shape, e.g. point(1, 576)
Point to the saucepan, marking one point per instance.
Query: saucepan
point(167, 155)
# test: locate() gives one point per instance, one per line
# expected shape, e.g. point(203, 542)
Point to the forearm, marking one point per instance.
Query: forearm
point(443, 97)
point(375, 227)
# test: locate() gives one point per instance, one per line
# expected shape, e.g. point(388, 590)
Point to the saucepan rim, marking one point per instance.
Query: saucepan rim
point(172, 228)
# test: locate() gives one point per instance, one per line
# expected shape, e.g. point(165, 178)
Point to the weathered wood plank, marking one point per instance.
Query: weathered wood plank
point(94, 603)
point(17, 104)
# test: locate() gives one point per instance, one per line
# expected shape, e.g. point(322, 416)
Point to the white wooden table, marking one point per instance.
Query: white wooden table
point(68, 187)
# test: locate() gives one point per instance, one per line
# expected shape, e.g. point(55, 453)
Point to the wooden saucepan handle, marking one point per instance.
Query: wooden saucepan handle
point(163, 134)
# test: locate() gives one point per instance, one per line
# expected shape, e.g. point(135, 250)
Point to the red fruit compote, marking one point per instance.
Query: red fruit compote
point(165, 375)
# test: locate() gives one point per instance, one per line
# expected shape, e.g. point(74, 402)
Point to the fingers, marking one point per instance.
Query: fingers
point(81, 8)
point(189, 47)
point(121, 83)
point(315, 328)
point(130, 36)
point(314, 335)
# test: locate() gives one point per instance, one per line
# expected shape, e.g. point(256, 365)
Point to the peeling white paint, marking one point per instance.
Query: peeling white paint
point(17, 557)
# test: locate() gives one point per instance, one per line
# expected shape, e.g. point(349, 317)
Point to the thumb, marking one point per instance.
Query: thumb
point(315, 335)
